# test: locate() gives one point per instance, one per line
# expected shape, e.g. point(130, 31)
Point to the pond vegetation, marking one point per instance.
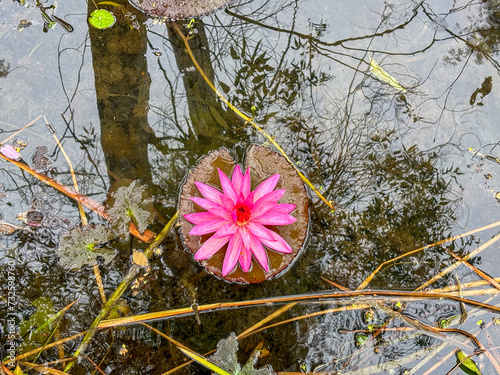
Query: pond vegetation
point(380, 119)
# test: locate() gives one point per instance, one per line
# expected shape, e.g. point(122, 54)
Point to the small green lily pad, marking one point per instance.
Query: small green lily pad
point(102, 19)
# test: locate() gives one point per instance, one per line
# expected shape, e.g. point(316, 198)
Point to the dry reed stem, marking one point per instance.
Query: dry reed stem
point(248, 119)
point(365, 283)
point(268, 318)
point(476, 270)
point(261, 302)
point(456, 264)
point(43, 369)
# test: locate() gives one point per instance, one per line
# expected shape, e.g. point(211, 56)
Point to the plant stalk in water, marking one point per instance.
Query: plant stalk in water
point(133, 271)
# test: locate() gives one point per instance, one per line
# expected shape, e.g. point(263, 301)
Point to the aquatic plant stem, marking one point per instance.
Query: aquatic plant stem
point(133, 271)
point(298, 298)
point(98, 208)
point(249, 120)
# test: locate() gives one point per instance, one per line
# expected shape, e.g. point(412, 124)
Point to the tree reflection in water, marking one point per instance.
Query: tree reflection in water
point(395, 163)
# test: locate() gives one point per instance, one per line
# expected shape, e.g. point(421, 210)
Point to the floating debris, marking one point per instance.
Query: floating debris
point(175, 9)
point(10, 152)
point(385, 77)
point(83, 244)
point(131, 204)
point(8, 228)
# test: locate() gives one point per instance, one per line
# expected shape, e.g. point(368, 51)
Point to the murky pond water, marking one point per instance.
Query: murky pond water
point(390, 109)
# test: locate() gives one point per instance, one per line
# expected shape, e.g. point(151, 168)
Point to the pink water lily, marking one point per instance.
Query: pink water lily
point(240, 216)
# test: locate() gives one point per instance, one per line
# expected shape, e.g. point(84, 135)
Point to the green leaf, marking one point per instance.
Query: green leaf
point(381, 74)
point(34, 331)
point(468, 363)
point(361, 340)
point(83, 244)
point(203, 361)
point(131, 203)
point(102, 19)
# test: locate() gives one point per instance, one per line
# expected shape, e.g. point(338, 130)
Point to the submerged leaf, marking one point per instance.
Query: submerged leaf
point(139, 258)
point(381, 74)
point(82, 245)
point(33, 330)
point(131, 204)
point(102, 19)
point(226, 357)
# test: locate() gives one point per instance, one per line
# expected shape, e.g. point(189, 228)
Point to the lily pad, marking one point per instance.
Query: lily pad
point(175, 9)
point(131, 204)
point(83, 244)
point(263, 163)
point(102, 19)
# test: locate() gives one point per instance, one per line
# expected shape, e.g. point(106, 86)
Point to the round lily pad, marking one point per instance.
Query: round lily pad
point(263, 163)
point(175, 9)
point(102, 19)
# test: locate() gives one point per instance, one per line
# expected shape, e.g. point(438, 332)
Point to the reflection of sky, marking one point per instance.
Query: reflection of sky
point(51, 71)
point(51, 74)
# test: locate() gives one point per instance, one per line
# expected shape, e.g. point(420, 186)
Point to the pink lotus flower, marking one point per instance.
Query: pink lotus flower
point(239, 216)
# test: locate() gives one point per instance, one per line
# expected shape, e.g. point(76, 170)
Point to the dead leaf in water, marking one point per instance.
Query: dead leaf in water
point(139, 258)
point(8, 228)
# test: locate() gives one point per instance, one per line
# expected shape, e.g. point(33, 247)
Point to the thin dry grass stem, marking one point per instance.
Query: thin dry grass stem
point(6, 370)
point(456, 264)
point(469, 285)
point(98, 208)
point(463, 360)
point(43, 369)
point(365, 283)
point(249, 120)
point(94, 364)
point(341, 287)
point(268, 318)
point(299, 298)
point(19, 130)
point(476, 270)
point(83, 217)
point(71, 169)
point(165, 336)
point(487, 352)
